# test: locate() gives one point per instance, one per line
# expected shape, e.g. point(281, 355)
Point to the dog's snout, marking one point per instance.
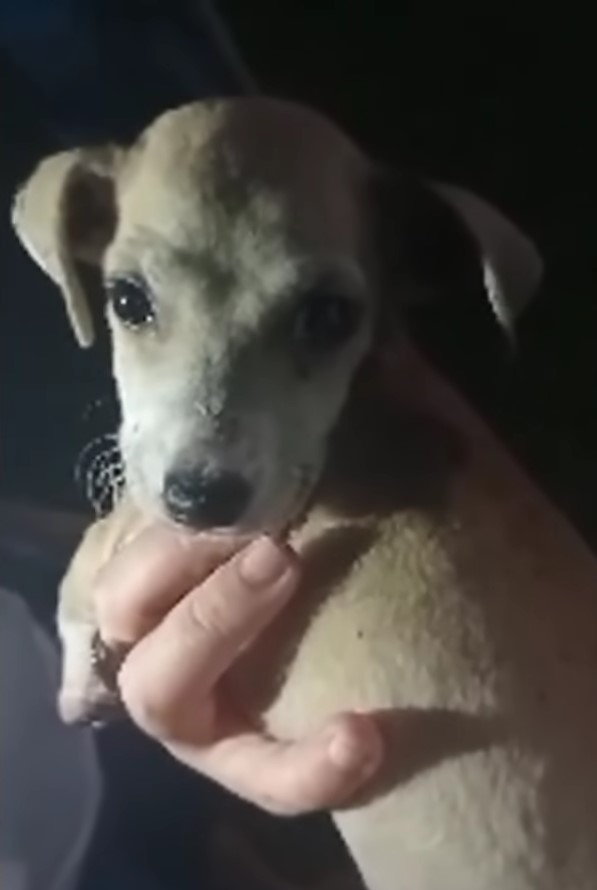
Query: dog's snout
point(206, 499)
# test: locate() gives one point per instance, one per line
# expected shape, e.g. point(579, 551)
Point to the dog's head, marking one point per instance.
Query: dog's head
point(251, 257)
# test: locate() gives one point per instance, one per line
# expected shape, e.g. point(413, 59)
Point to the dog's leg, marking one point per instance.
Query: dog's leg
point(88, 690)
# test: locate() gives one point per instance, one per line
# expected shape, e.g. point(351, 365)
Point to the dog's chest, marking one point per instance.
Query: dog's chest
point(418, 610)
point(366, 630)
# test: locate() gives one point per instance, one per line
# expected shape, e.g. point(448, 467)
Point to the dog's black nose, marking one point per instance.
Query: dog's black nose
point(206, 499)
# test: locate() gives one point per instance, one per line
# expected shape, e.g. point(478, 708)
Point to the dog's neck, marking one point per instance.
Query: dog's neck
point(401, 438)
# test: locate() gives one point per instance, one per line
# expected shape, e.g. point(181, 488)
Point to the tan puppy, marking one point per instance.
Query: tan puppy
point(256, 265)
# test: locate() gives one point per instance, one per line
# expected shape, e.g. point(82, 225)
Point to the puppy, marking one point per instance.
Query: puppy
point(257, 268)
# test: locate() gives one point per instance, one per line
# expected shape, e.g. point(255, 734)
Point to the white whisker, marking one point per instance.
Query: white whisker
point(99, 471)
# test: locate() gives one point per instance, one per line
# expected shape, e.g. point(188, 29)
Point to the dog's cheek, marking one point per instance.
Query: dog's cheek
point(139, 448)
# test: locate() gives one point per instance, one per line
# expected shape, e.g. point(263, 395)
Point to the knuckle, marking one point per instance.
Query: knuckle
point(211, 616)
point(145, 703)
point(161, 712)
point(124, 620)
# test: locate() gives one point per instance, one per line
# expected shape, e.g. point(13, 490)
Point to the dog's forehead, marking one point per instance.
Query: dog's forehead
point(273, 168)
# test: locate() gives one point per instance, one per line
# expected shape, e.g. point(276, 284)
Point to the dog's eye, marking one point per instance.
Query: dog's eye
point(130, 301)
point(325, 322)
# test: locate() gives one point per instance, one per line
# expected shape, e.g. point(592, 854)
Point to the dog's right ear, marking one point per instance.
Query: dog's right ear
point(65, 215)
point(438, 241)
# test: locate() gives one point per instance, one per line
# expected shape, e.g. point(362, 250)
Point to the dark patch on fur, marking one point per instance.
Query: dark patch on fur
point(385, 456)
point(217, 279)
point(231, 187)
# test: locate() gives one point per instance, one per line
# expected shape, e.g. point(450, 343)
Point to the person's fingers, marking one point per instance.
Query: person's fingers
point(319, 772)
point(168, 674)
point(147, 577)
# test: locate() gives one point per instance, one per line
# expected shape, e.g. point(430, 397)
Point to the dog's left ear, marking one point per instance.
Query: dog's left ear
point(438, 240)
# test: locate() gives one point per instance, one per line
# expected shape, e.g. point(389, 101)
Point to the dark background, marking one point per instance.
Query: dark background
point(499, 98)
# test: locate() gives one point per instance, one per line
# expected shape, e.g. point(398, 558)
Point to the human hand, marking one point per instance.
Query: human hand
point(186, 606)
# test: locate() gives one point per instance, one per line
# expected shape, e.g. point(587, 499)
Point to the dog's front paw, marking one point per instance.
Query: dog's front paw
point(89, 687)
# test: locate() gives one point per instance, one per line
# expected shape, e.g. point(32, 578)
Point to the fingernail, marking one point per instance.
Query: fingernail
point(263, 563)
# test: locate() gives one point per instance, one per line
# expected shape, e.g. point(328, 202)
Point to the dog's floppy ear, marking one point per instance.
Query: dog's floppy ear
point(65, 215)
point(439, 239)
point(512, 266)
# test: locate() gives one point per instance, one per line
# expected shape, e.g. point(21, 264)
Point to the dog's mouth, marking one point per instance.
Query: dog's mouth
point(307, 479)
